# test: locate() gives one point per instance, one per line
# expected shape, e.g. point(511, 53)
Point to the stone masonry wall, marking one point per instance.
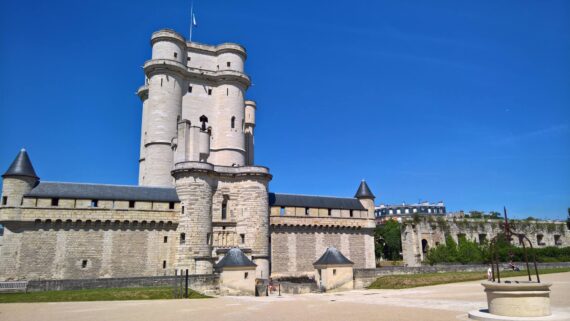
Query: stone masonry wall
point(295, 249)
point(46, 251)
point(432, 232)
point(206, 284)
point(364, 277)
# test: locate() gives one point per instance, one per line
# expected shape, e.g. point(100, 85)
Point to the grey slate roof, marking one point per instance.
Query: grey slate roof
point(234, 258)
point(21, 166)
point(103, 192)
point(292, 200)
point(364, 191)
point(332, 256)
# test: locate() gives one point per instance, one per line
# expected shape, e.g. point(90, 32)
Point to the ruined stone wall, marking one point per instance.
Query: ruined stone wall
point(295, 249)
point(42, 250)
point(427, 232)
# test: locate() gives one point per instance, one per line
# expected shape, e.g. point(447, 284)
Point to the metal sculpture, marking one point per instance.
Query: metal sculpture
point(495, 270)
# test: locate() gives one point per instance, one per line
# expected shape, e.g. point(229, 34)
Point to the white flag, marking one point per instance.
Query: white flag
point(194, 23)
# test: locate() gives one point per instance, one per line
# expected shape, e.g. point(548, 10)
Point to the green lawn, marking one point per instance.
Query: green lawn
point(95, 295)
point(415, 280)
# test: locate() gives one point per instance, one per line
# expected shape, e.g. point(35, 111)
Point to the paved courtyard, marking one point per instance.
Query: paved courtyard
point(440, 302)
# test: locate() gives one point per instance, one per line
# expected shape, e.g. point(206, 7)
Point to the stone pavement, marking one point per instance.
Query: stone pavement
point(440, 302)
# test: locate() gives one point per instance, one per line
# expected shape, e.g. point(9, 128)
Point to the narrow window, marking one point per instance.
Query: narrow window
point(188, 58)
point(182, 209)
point(245, 275)
point(182, 238)
point(131, 204)
point(227, 91)
point(164, 264)
point(189, 89)
point(282, 211)
point(228, 64)
point(306, 211)
point(225, 207)
point(539, 238)
point(175, 55)
point(351, 213)
point(209, 91)
point(242, 238)
point(334, 271)
point(54, 201)
point(233, 122)
point(330, 212)
point(4, 200)
point(171, 205)
point(208, 238)
point(84, 264)
point(165, 240)
point(94, 203)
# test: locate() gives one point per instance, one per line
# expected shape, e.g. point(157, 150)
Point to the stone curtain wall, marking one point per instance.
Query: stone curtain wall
point(365, 277)
point(206, 284)
point(295, 249)
point(433, 232)
point(45, 251)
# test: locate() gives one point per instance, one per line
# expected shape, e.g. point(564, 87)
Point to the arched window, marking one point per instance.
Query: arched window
point(233, 122)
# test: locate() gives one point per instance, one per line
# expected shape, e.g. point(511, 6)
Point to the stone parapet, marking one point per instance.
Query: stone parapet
point(336, 222)
point(221, 48)
point(227, 171)
point(32, 214)
point(155, 66)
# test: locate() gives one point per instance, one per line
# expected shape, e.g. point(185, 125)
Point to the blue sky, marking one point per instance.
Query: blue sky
point(465, 102)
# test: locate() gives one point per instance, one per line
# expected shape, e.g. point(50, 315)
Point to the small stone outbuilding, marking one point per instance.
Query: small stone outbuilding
point(334, 271)
point(237, 273)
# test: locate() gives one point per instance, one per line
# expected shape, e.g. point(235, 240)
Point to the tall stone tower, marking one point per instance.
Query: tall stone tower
point(197, 135)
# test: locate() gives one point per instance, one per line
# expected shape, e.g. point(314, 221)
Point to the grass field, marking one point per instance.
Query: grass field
point(415, 280)
point(95, 295)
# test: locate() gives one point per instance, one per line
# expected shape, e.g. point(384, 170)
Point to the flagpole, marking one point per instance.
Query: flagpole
point(191, 18)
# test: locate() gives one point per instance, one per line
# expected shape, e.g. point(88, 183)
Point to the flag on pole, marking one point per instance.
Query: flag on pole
point(194, 23)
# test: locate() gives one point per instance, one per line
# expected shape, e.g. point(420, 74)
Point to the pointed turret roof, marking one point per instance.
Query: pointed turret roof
point(364, 191)
point(234, 258)
point(21, 166)
point(332, 256)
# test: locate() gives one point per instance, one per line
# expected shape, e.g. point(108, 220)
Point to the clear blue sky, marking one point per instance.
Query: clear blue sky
point(465, 102)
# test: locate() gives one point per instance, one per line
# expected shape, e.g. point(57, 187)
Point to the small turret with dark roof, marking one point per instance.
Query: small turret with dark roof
point(332, 256)
point(21, 166)
point(18, 180)
point(364, 191)
point(234, 259)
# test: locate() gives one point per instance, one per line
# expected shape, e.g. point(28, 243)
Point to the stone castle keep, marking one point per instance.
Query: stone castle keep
point(200, 194)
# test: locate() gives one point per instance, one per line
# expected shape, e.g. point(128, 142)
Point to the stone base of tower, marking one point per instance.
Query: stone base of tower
point(222, 208)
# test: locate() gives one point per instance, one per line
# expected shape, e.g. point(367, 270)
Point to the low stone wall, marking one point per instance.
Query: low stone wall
point(364, 277)
point(206, 284)
point(298, 288)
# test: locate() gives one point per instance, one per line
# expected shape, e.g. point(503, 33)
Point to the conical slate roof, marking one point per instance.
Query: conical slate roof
point(234, 258)
point(332, 256)
point(21, 166)
point(364, 191)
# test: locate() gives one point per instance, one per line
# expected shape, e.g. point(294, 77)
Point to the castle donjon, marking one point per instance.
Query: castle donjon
point(200, 195)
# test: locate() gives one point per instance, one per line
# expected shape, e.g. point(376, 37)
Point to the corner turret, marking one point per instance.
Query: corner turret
point(365, 196)
point(18, 180)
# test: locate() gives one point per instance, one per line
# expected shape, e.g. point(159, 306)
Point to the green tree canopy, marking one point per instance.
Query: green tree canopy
point(388, 240)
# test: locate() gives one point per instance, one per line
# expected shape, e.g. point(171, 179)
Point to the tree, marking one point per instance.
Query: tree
point(568, 220)
point(494, 215)
point(475, 214)
point(388, 240)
